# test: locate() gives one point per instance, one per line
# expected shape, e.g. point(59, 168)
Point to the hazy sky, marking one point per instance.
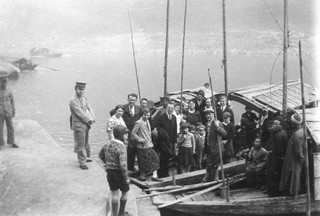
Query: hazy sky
point(54, 22)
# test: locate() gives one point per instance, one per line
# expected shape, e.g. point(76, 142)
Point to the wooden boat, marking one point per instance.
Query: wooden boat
point(44, 52)
point(244, 200)
point(24, 64)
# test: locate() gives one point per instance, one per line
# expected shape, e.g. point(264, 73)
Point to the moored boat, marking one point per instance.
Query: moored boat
point(24, 64)
point(245, 200)
point(44, 52)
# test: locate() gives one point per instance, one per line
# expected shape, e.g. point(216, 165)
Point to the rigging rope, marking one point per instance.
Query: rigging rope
point(269, 10)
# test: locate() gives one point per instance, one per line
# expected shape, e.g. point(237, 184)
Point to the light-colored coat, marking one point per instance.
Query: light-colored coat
point(7, 107)
point(141, 134)
point(81, 113)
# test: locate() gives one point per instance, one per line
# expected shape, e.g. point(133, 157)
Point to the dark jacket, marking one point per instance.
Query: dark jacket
point(170, 126)
point(130, 121)
point(220, 114)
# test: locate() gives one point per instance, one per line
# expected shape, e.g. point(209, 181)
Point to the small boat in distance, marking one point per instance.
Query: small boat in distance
point(24, 64)
point(44, 52)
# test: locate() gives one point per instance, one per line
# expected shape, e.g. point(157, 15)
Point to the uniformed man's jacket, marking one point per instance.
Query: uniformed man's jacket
point(7, 107)
point(81, 113)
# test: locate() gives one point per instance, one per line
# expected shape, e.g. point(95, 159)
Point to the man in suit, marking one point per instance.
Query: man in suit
point(224, 108)
point(131, 114)
point(81, 119)
point(7, 112)
point(168, 122)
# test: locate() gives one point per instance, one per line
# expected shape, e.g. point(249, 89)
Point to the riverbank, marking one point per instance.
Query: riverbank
point(42, 178)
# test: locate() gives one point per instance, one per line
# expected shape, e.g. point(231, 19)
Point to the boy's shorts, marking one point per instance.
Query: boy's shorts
point(116, 180)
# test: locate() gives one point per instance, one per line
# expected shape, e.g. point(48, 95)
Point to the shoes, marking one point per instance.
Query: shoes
point(14, 145)
point(263, 188)
point(133, 170)
point(157, 179)
point(141, 179)
point(89, 160)
point(84, 167)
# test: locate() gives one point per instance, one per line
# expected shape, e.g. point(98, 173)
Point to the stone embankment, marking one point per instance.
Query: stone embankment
point(42, 179)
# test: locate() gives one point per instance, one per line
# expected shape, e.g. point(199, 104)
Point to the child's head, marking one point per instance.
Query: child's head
point(201, 129)
point(184, 114)
point(192, 129)
point(185, 127)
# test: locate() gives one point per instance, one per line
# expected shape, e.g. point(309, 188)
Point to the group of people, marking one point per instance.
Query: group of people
point(190, 138)
point(275, 165)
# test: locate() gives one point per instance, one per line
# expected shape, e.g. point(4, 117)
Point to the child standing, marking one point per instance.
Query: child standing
point(186, 145)
point(199, 137)
point(114, 155)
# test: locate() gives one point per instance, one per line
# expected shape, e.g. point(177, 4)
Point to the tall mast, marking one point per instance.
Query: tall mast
point(285, 47)
point(224, 60)
point(166, 50)
point(183, 44)
point(307, 180)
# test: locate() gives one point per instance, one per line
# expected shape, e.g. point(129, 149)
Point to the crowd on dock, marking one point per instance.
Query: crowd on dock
point(190, 138)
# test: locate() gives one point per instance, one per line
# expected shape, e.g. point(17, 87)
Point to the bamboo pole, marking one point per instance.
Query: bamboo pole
point(183, 45)
point(224, 60)
point(190, 196)
point(308, 211)
point(134, 55)
point(285, 57)
point(165, 74)
point(219, 137)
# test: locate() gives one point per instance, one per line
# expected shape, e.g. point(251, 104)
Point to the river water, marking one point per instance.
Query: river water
point(43, 94)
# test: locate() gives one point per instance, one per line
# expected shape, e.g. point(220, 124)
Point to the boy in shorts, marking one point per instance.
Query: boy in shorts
point(114, 155)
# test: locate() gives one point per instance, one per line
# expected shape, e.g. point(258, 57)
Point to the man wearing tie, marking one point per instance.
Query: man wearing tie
point(168, 122)
point(224, 108)
point(131, 114)
point(81, 119)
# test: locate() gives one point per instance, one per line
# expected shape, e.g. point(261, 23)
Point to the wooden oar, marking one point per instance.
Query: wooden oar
point(192, 187)
point(190, 196)
point(170, 187)
point(48, 67)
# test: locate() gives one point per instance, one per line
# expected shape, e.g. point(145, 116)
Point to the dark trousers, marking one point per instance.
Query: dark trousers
point(131, 157)
point(10, 130)
point(164, 165)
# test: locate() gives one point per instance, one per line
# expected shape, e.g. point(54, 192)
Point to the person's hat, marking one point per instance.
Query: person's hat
point(81, 85)
point(226, 115)
point(201, 127)
point(184, 125)
point(201, 92)
point(120, 130)
point(165, 98)
point(280, 119)
point(296, 119)
point(209, 110)
point(223, 97)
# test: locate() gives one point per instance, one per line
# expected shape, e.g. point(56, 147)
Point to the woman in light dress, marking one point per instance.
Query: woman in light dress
point(116, 119)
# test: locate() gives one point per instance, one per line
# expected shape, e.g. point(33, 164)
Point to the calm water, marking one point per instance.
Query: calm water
point(43, 95)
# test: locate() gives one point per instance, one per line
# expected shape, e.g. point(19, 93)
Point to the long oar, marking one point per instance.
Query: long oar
point(53, 69)
point(190, 196)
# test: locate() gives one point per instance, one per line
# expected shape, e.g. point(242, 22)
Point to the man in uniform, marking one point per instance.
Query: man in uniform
point(7, 112)
point(81, 119)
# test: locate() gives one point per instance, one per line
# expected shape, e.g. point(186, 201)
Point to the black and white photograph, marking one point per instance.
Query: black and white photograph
point(159, 107)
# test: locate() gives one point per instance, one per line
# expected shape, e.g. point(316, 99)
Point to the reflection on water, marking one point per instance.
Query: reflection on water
point(43, 95)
